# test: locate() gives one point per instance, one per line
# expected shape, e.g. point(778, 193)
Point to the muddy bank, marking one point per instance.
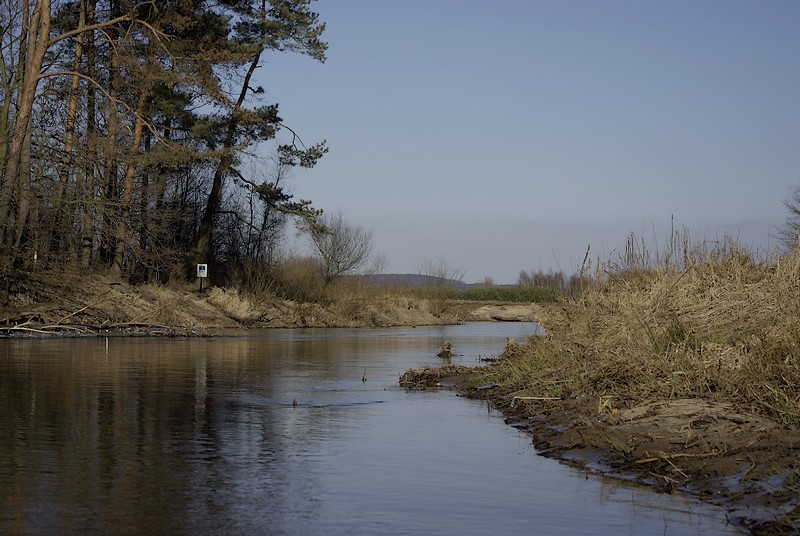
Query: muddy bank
point(711, 450)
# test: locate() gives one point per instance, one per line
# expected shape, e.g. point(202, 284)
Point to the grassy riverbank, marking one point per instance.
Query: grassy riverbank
point(682, 377)
point(725, 329)
point(84, 304)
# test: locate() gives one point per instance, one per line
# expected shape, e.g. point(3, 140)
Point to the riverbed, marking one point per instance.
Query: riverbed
point(288, 432)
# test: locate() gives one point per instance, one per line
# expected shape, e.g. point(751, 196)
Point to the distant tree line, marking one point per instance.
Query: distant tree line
point(127, 130)
point(558, 281)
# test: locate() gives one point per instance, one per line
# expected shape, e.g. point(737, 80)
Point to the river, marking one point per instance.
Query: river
point(276, 432)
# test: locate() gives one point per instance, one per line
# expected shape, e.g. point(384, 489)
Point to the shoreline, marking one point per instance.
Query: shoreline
point(498, 312)
point(700, 448)
point(74, 306)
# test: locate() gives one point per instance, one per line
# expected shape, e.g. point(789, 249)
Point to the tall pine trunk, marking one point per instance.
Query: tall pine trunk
point(203, 250)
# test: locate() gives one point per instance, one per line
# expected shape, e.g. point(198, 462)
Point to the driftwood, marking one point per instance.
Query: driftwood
point(15, 317)
point(25, 326)
point(122, 329)
point(83, 309)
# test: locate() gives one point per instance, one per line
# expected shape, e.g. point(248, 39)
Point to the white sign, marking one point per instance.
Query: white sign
point(202, 270)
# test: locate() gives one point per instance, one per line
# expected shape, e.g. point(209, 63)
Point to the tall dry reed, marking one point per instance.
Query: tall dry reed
point(713, 324)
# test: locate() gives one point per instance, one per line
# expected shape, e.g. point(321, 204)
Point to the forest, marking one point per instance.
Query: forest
point(135, 141)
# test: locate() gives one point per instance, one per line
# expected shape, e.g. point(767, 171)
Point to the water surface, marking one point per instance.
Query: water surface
point(202, 436)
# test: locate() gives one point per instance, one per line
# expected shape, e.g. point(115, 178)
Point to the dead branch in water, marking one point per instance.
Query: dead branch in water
point(84, 308)
point(117, 329)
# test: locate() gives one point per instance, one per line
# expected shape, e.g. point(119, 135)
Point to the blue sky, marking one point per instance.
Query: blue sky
point(507, 135)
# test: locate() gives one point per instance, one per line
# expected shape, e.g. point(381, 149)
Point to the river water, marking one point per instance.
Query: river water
point(202, 436)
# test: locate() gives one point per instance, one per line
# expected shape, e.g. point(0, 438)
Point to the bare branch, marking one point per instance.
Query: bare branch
point(129, 16)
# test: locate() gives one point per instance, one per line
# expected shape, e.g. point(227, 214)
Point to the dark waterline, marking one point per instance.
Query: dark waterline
point(201, 436)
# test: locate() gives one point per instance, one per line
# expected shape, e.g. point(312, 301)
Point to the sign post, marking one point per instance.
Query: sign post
point(202, 273)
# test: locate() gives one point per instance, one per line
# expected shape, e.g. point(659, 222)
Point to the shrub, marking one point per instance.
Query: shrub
point(300, 279)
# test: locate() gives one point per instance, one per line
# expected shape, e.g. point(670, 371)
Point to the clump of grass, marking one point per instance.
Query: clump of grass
point(235, 305)
point(531, 369)
point(254, 279)
point(353, 303)
point(713, 324)
point(300, 279)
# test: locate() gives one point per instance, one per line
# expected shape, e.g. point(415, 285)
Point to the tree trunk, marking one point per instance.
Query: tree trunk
point(24, 202)
point(37, 43)
point(59, 221)
point(110, 163)
point(203, 250)
point(89, 207)
point(127, 189)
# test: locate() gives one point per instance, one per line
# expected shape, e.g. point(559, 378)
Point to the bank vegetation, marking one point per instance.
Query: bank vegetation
point(681, 369)
point(713, 323)
point(294, 295)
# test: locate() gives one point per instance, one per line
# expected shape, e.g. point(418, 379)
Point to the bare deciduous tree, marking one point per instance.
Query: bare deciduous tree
point(788, 234)
point(343, 248)
point(438, 268)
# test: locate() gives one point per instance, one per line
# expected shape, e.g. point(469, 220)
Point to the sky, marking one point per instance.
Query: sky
point(510, 135)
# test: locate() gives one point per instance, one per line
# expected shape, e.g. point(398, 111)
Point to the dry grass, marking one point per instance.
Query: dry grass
point(723, 327)
point(235, 305)
point(352, 304)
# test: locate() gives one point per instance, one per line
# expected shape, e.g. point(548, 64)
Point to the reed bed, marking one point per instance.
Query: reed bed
point(716, 325)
